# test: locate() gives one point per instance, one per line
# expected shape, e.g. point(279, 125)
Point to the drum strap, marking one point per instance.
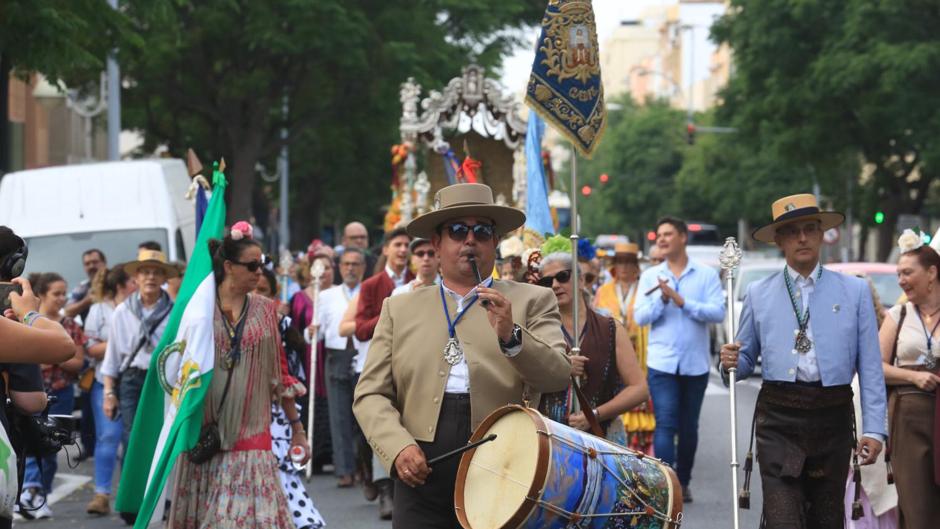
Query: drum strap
point(587, 410)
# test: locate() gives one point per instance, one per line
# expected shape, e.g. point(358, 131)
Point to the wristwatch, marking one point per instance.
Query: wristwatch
point(515, 339)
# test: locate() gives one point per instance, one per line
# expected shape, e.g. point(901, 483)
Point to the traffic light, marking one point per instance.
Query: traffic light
point(879, 217)
point(604, 178)
point(586, 191)
point(690, 133)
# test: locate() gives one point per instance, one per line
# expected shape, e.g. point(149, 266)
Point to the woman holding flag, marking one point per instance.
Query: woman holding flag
point(238, 485)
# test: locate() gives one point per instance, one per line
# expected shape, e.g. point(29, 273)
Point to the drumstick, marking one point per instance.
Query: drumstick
point(650, 291)
point(462, 449)
point(476, 272)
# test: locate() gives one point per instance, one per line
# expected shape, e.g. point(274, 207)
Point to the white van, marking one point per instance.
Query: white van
point(63, 211)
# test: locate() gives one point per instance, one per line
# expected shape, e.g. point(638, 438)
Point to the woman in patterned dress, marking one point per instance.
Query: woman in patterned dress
point(609, 373)
point(304, 512)
point(239, 487)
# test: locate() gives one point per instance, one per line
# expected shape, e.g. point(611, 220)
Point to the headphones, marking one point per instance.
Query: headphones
point(13, 264)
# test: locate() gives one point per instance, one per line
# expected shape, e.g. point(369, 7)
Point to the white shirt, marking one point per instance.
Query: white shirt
point(409, 287)
point(122, 338)
point(807, 368)
point(97, 327)
point(333, 304)
point(399, 279)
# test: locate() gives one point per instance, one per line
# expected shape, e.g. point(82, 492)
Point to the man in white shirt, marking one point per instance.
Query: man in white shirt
point(340, 353)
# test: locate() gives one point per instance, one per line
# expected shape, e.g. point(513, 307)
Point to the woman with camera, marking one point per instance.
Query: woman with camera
point(27, 339)
point(59, 382)
point(108, 290)
point(234, 482)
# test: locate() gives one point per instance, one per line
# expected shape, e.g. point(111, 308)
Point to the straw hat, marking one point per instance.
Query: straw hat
point(626, 249)
point(466, 200)
point(796, 208)
point(151, 258)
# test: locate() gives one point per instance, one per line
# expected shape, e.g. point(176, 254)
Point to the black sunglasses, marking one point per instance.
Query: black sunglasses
point(252, 266)
point(430, 253)
point(458, 231)
point(547, 281)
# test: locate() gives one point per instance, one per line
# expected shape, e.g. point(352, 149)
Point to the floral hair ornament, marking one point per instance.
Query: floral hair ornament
point(241, 230)
point(910, 240)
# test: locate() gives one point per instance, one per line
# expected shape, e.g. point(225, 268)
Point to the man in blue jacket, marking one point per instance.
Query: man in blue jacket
point(814, 330)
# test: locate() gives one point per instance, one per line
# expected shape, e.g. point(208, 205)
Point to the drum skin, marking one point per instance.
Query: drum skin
point(575, 472)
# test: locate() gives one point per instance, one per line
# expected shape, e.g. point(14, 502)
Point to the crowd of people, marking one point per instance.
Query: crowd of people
point(362, 344)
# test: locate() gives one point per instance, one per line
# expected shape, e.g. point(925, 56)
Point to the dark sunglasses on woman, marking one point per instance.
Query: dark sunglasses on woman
point(252, 266)
point(459, 231)
point(547, 281)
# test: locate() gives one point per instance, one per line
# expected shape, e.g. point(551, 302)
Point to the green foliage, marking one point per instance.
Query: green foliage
point(555, 244)
point(819, 82)
point(642, 151)
point(214, 74)
point(58, 37)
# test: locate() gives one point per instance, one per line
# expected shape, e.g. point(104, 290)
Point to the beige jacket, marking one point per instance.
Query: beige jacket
point(398, 397)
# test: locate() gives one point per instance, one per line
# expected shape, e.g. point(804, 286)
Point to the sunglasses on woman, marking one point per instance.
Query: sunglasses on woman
point(547, 281)
point(252, 266)
point(459, 231)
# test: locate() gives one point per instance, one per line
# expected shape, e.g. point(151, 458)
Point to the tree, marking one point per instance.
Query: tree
point(55, 38)
point(819, 82)
point(214, 75)
point(642, 151)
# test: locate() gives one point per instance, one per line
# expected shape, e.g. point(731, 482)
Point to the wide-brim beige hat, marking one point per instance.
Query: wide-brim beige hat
point(151, 258)
point(466, 200)
point(796, 208)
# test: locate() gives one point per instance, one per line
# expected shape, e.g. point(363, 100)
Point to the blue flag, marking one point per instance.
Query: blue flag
point(202, 204)
point(565, 85)
point(538, 216)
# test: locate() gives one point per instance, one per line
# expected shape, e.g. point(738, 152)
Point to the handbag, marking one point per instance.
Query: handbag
point(210, 441)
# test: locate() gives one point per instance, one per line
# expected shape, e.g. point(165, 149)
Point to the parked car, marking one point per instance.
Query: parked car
point(883, 275)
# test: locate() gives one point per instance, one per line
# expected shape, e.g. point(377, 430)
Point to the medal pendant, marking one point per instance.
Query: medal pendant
point(453, 354)
point(930, 362)
point(803, 343)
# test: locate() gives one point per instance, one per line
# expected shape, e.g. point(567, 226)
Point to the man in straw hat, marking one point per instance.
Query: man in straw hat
point(814, 329)
point(444, 357)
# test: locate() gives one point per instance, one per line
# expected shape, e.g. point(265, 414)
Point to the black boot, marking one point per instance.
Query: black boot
point(386, 505)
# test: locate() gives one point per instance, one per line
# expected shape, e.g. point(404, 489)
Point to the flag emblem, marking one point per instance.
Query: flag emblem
point(565, 85)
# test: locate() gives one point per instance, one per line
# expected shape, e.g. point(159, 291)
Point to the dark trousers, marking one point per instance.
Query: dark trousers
point(89, 435)
point(677, 404)
point(804, 441)
point(339, 390)
point(431, 506)
point(130, 387)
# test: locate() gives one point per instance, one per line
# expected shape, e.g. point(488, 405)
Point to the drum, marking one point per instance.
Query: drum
point(539, 474)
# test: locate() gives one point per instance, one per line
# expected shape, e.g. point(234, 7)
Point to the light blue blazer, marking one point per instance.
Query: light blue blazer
point(845, 333)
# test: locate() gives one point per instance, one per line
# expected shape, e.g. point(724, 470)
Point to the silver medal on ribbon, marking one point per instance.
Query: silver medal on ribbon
point(453, 354)
point(803, 343)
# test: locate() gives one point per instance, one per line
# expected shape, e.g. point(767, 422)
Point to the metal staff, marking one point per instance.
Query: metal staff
point(575, 269)
point(730, 258)
point(316, 272)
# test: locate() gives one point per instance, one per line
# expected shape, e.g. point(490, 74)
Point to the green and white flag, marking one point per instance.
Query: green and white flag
point(169, 416)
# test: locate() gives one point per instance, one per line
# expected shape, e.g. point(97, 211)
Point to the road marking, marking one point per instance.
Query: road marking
point(65, 485)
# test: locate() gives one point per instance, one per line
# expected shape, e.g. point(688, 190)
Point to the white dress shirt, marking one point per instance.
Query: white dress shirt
point(122, 338)
point(333, 304)
point(399, 279)
point(807, 368)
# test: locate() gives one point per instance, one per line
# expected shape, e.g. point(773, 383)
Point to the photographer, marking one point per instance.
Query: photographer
point(59, 380)
point(22, 347)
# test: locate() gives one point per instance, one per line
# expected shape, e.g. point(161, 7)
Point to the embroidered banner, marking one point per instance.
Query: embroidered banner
point(565, 85)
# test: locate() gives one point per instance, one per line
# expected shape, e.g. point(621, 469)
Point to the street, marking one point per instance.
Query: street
point(346, 508)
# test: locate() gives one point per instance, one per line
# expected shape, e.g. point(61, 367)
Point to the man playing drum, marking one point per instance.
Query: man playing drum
point(443, 358)
point(814, 330)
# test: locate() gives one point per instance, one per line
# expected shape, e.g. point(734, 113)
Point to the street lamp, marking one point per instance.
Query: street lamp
point(86, 106)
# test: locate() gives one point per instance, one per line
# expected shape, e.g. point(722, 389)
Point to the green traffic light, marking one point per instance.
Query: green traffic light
point(879, 217)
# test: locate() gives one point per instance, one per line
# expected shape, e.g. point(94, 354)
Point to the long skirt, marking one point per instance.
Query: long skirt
point(233, 490)
point(912, 457)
